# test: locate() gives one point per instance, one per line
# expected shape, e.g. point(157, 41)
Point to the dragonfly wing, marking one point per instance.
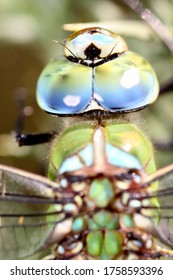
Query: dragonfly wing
point(25, 219)
point(160, 211)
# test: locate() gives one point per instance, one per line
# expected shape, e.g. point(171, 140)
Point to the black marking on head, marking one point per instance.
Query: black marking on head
point(73, 58)
point(92, 52)
point(93, 30)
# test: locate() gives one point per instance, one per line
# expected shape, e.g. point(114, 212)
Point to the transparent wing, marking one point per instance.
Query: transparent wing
point(165, 198)
point(160, 211)
point(30, 213)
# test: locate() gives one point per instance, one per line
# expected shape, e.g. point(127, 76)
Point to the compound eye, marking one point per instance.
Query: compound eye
point(64, 88)
point(125, 84)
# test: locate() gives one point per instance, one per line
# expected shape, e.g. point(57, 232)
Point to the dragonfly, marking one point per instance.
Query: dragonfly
point(101, 199)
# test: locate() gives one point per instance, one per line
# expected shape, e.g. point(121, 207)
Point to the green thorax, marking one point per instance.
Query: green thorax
point(76, 146)
point(104, 210)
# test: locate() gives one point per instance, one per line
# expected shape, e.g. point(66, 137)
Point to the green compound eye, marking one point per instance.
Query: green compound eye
point(102, 75)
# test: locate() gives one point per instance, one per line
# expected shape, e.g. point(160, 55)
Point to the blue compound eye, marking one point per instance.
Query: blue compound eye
point(107, 80)
point(127, 83)
point(64, 88)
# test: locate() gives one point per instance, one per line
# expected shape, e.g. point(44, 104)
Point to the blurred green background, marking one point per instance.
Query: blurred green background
point(27, 31)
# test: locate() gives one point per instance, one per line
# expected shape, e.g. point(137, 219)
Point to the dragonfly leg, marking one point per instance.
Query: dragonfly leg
point(166, 86)
point(32, 138)
point(163, 145)
point(164, 89)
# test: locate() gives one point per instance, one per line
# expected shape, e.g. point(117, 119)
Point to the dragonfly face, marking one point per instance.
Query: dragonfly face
point(110, 79)
point(94, 46)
